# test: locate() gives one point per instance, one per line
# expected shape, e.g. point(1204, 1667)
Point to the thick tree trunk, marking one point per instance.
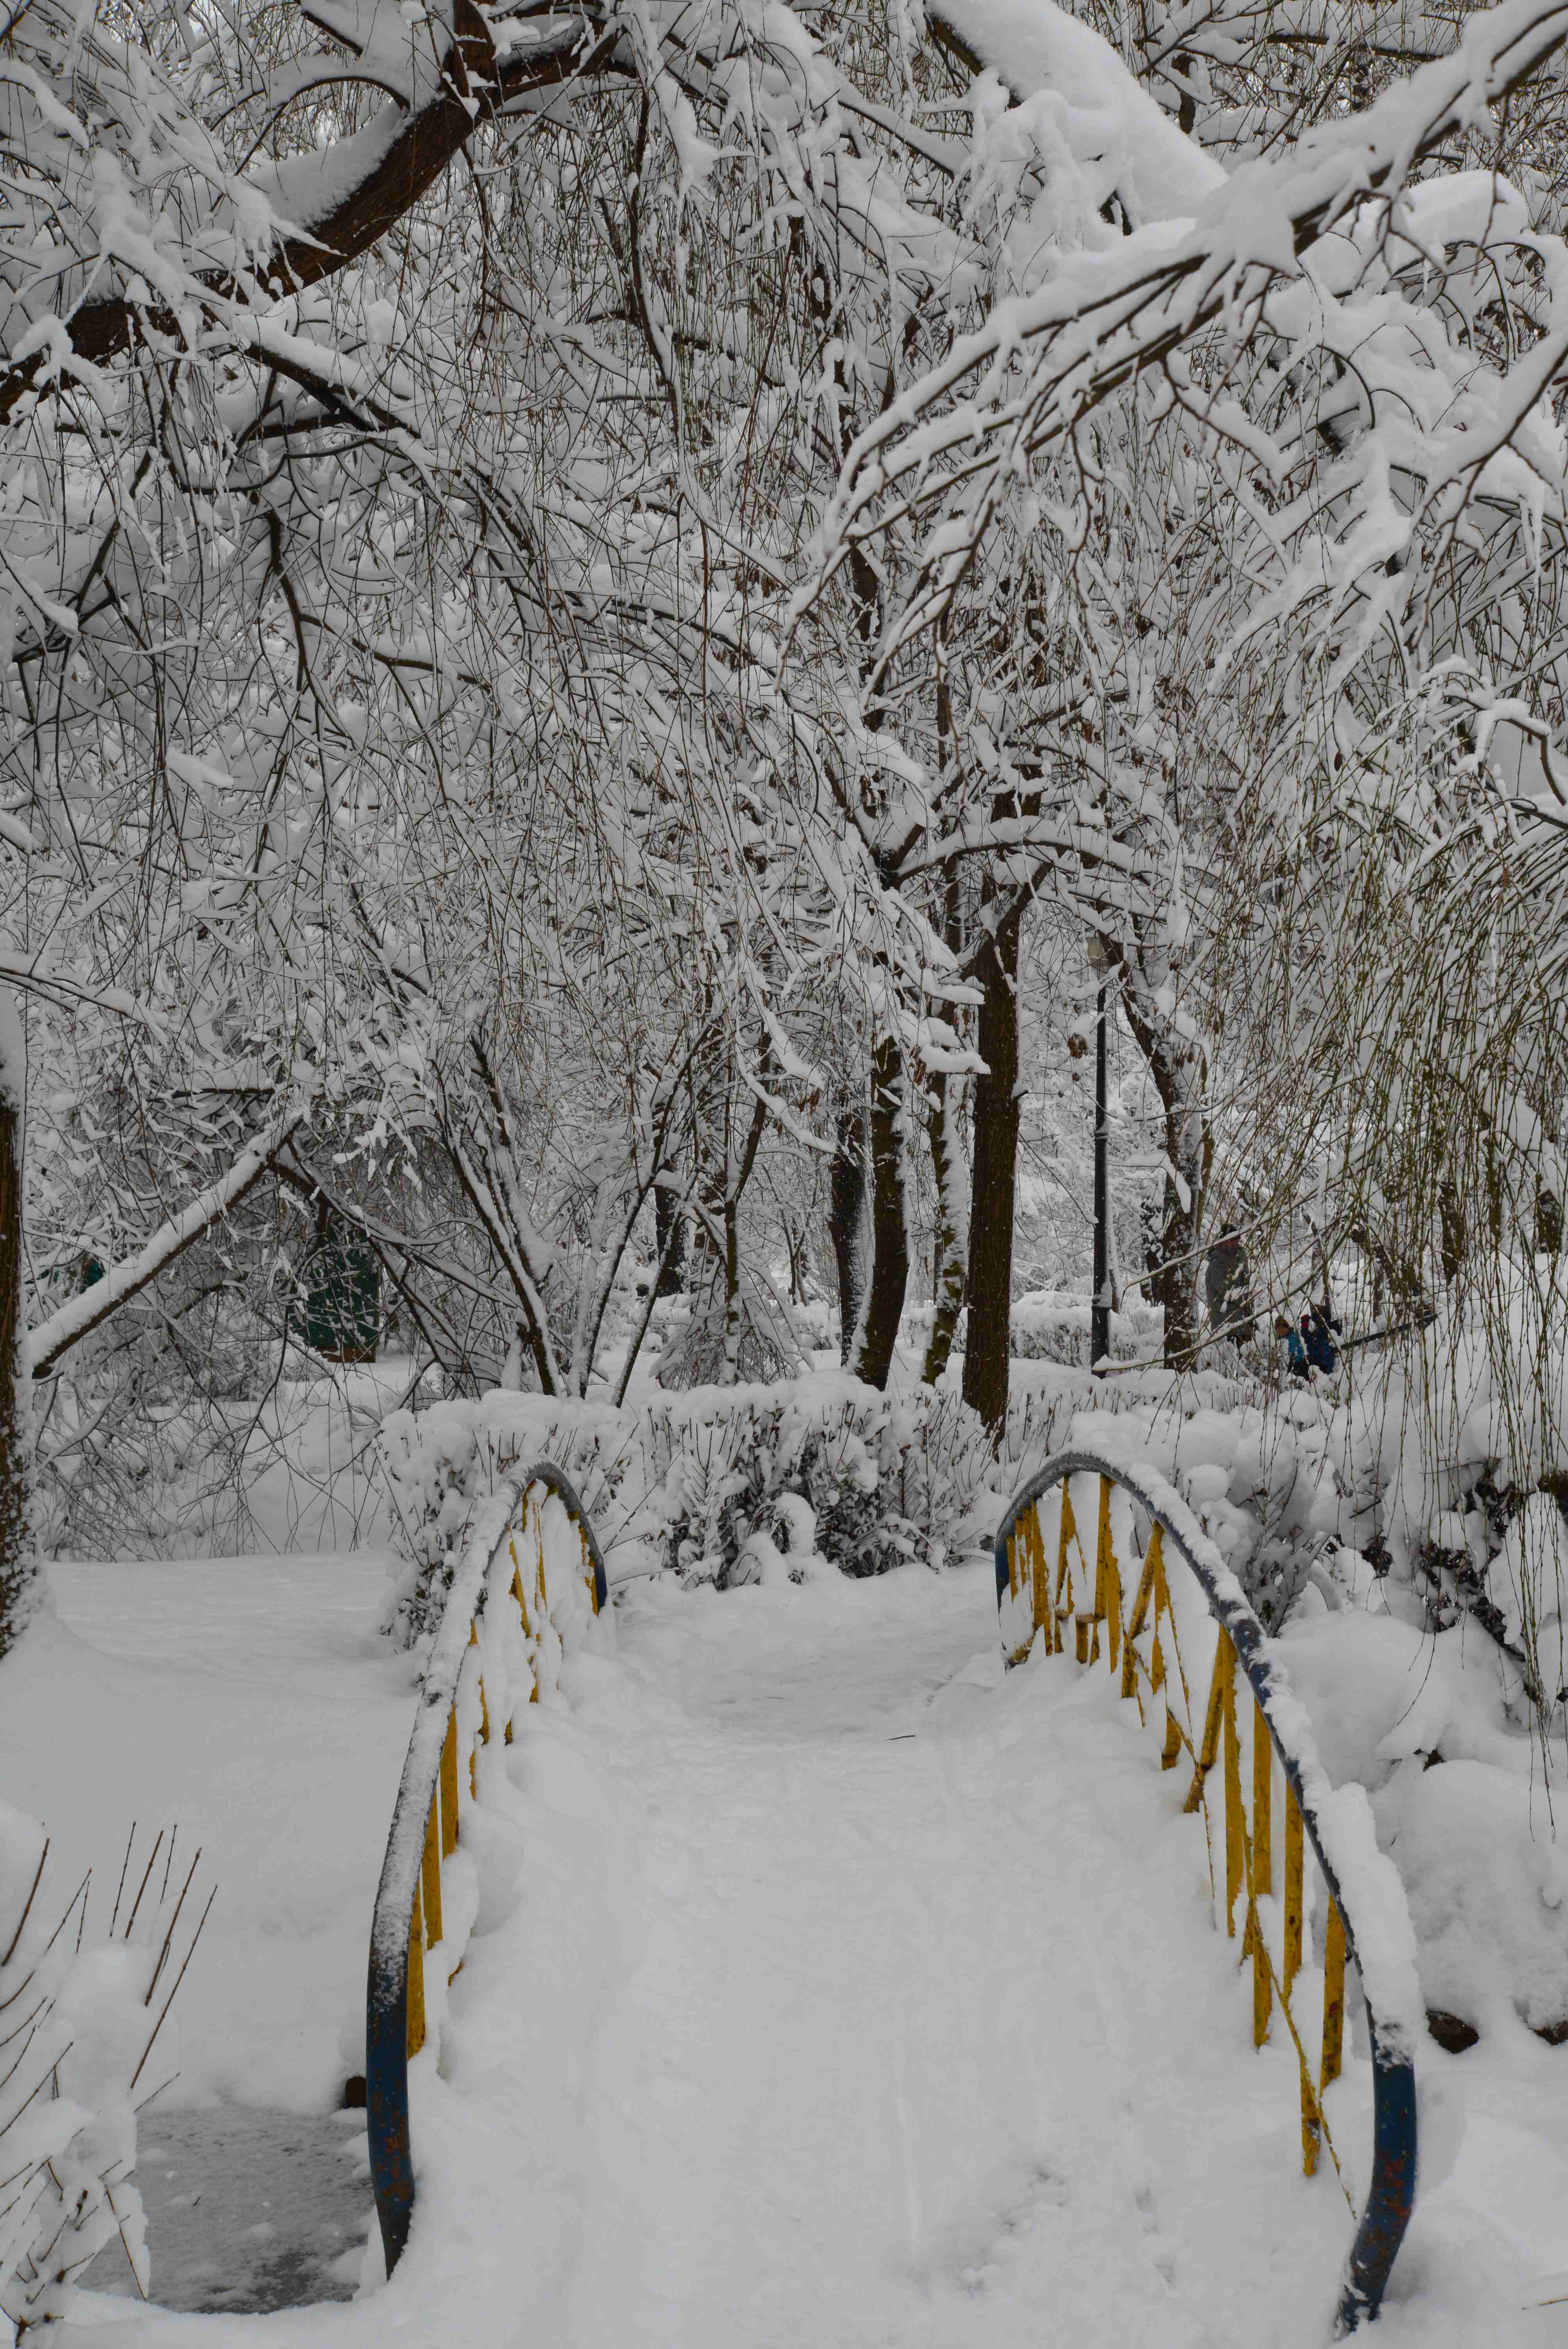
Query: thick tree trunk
point(952, 1237)
point(890, 1230)
point(669, 1239)
point(846, 1219)
point(995, 1116)
point(18, 1566)
point(1178, 1067)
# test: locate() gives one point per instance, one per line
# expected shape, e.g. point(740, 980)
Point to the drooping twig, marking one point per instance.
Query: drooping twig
point(169, 2001)
point(131, 1922)
point(169, 1936)
point(28, 1905)
point(124, 1864)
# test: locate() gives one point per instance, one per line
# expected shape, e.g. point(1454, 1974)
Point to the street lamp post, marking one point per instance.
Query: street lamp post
point(1099, 1309)
point(1102, 963)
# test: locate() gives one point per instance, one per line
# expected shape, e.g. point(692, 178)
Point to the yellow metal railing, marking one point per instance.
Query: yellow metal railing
point(1193, 1658)
point(501, 1631)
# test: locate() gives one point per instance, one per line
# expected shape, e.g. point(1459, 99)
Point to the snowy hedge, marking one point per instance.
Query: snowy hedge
point(1052, 1325)
point(721, 1484)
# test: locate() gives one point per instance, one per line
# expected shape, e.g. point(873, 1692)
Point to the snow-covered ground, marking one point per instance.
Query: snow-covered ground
point(249, 1704)
point(827, 1986)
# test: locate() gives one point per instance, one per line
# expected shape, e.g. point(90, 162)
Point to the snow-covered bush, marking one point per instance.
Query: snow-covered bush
point(1453, 1451)
point(1050, 1325)
point(1261, 1479)
point(82, 2019)
point(1423, 1719)
point(683, 1484)
point(438, 1461)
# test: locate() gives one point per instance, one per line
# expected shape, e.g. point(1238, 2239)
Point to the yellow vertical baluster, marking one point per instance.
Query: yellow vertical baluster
point(484, 1723)
point(1310, 2127)
point(430, 1877)
point(1295, 1902)
point(1162, 1604)
point(1107, 1580)
point(1295, 1920)
point(414, 2029)
point(449, 1785)
point(1040, 1579)
point(1262, 1802)
point(1136, 1623)
point(1207, 1752)
point(1262, 1989)
point(1064, 1567)
point(1333, 1995)
point(1262, 1868)
point(1235, 1825)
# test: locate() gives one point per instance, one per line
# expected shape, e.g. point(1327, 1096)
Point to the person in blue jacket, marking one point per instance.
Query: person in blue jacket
point(1319, 1330)
point(1295, 1358)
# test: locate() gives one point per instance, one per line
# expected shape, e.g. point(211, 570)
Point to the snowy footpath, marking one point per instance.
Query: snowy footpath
point(832, 1991)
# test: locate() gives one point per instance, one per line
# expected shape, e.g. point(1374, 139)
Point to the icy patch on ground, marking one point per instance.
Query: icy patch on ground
point(248, 2209)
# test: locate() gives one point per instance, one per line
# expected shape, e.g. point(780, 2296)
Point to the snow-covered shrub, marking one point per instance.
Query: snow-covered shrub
point(1486, 1883)
point(1261, 1480)
point(688, 1483)
point(440, 1461)
point(1423, 1719)
point(81, 2023)
point(1051, 1325)
point(1453, 1449)
point(887, 1478)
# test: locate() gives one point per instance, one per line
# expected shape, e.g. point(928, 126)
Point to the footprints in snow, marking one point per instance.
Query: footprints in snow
point(1022, 2218)
point(1030, 2212)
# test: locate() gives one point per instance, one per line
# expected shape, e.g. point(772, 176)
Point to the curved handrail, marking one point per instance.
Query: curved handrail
point(1021, 1563)
point(454, 1706)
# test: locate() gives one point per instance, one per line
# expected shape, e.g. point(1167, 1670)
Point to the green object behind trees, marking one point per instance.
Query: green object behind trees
point(343, 1297)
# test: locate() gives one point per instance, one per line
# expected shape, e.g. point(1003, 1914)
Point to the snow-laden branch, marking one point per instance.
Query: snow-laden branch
point(279, 229)
point(82, 1313)
point(949, 451)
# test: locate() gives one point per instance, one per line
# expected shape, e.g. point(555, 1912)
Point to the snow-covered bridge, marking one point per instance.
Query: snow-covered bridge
point(825, 1983)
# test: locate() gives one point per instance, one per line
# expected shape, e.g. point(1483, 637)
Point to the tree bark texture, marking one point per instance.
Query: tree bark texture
point(18, 1567)
point(952, 1237)
point(884, 1303)
point(846, 1216)
point(995, 1117)
point(669, 1239)
point(1177, 1065)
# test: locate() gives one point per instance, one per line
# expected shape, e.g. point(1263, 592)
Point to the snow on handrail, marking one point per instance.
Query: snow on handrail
point(1364, 1918)
point(483, 1666)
